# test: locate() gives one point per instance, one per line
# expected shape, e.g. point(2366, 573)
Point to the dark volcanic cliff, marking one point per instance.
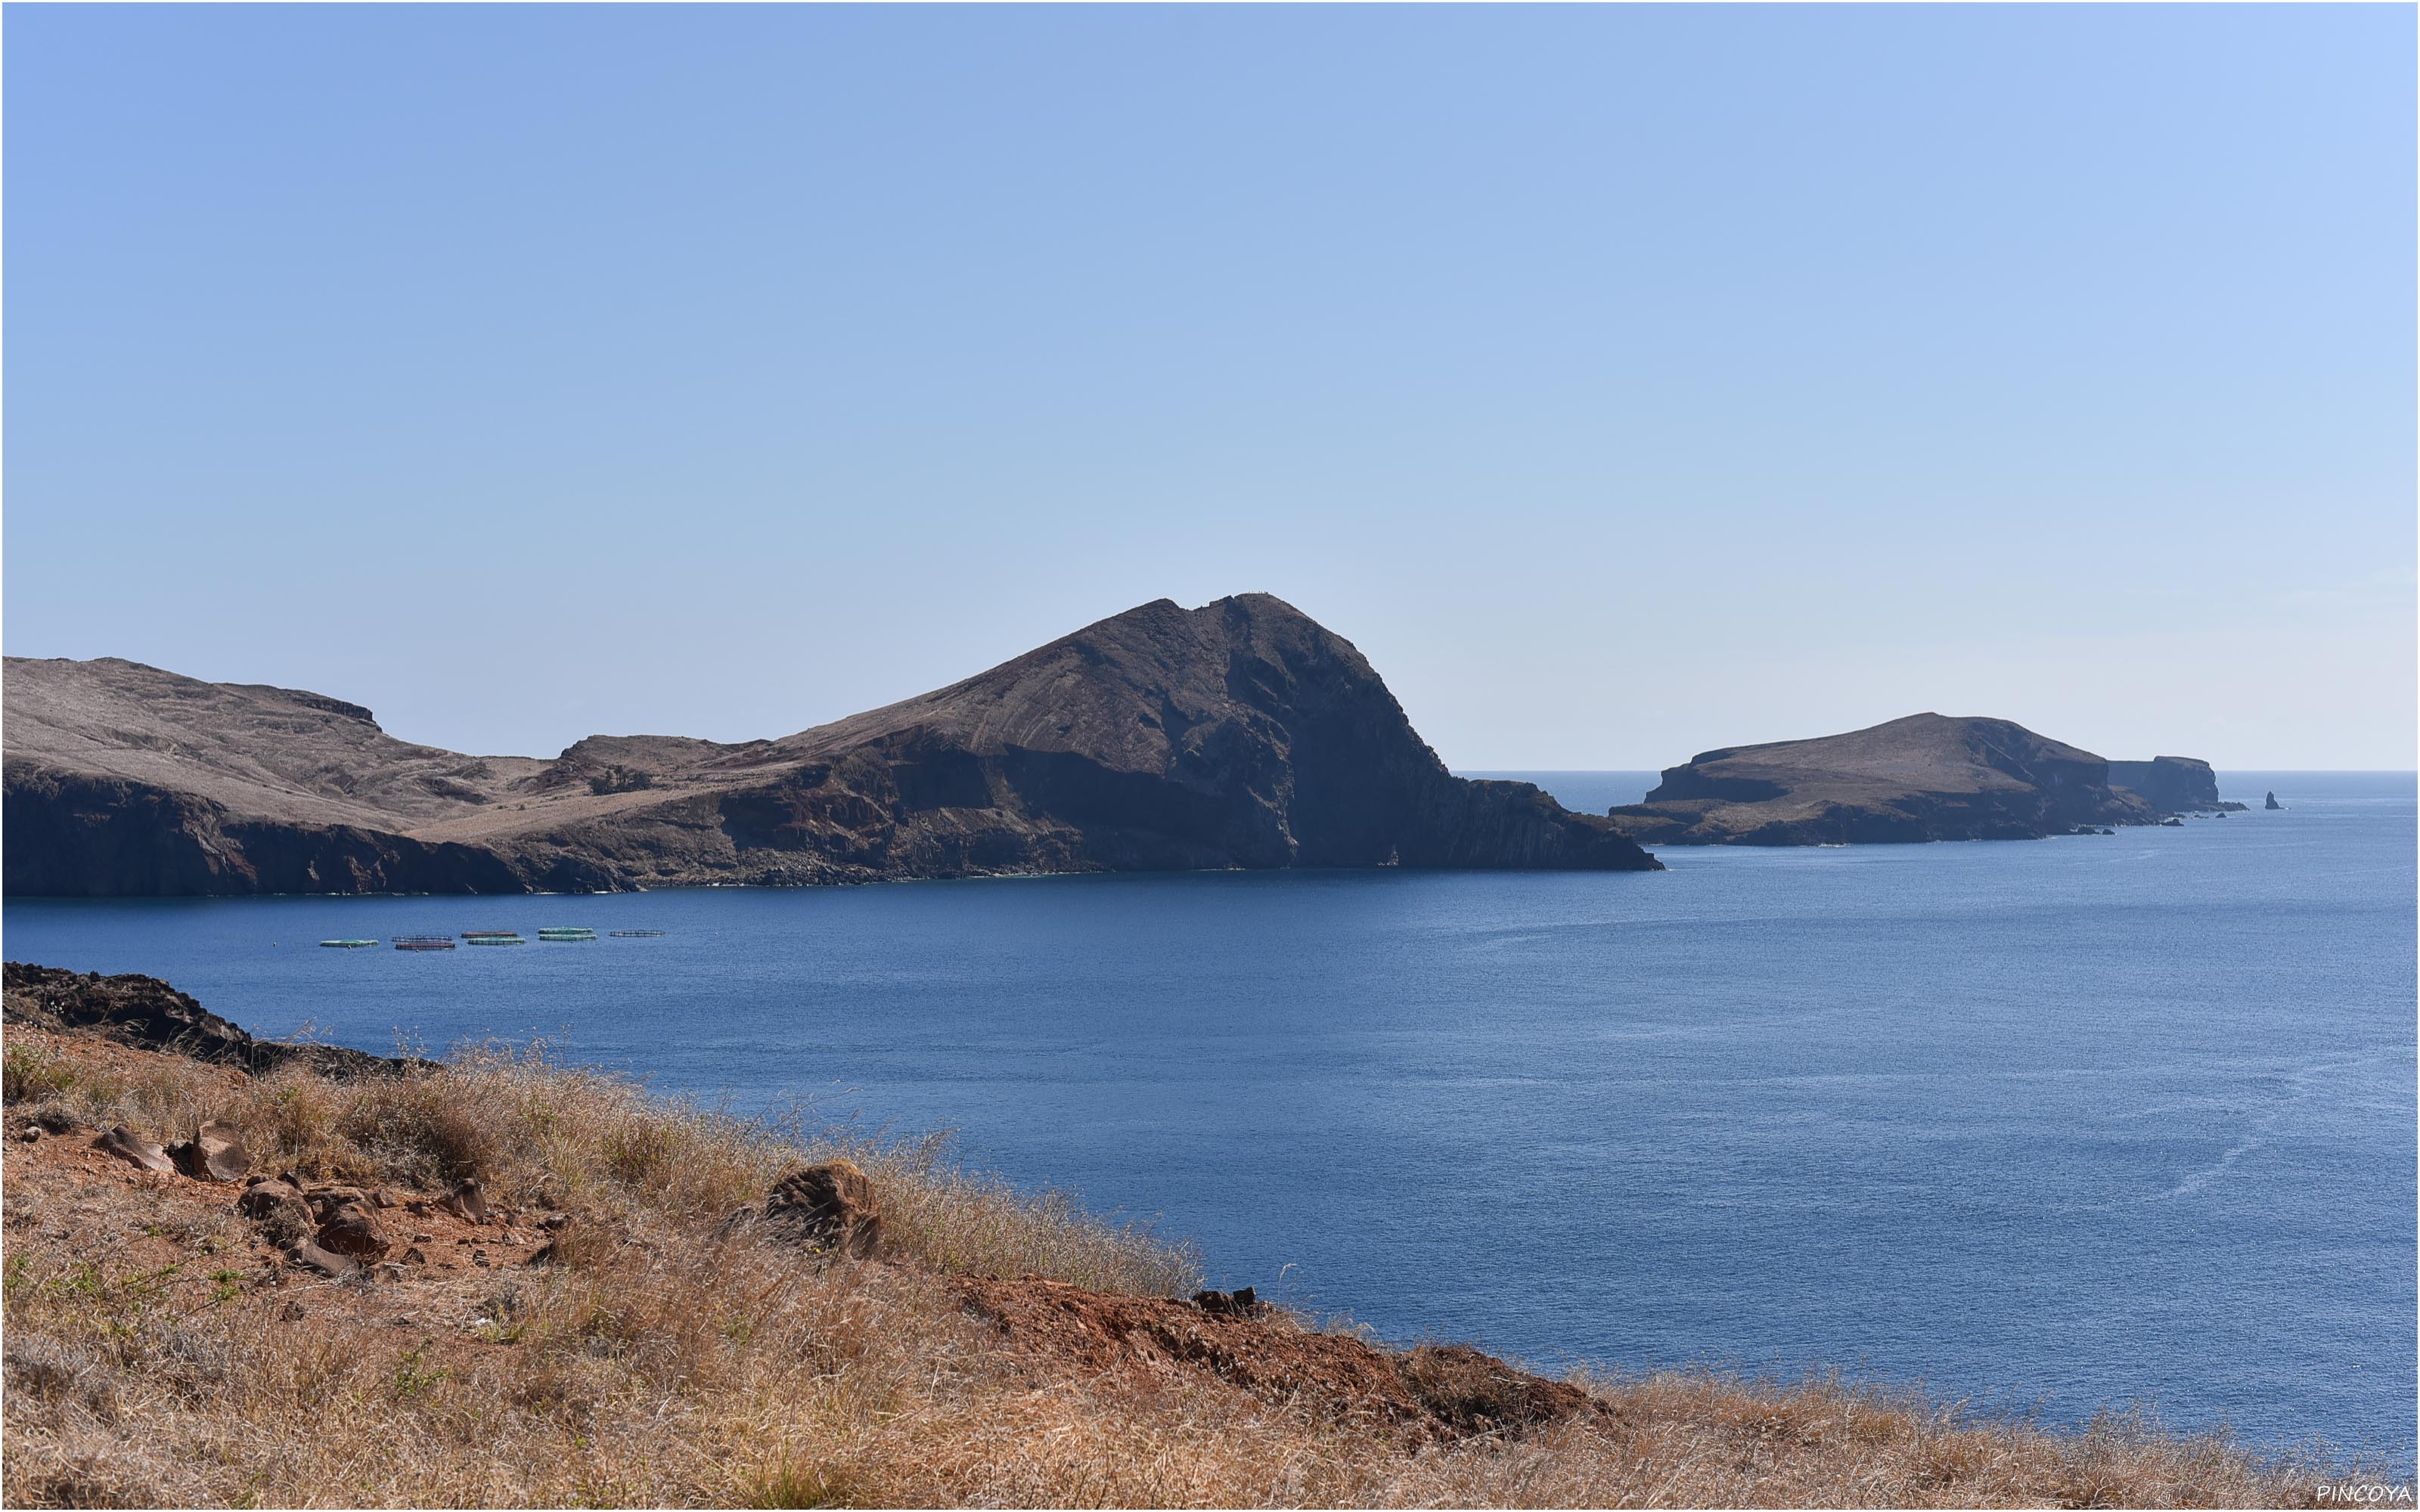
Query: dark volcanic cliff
point(148, 1014)
point(1924, 778)
point(1241, 735)
point(2173, 784)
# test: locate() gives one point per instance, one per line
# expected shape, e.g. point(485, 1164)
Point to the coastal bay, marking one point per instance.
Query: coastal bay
point(2053, 1122)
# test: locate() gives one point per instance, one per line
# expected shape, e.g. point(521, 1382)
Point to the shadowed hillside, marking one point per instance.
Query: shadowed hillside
point(1925, 778)
point(1241, 735)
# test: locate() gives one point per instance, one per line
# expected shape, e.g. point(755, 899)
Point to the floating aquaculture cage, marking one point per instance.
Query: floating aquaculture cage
point(565, 935)
point(423, 945)
point(349, 944)
point(636, 933)
point(494, 939)
point(491, 934)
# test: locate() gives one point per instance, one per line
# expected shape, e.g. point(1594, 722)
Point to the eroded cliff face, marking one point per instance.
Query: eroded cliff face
point(1924, 778)
point(81, 836)
point(1241, 735)
point(2172, 784)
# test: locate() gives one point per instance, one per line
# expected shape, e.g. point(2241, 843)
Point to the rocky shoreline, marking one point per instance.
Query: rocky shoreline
point(1928, 777)
point(1238, 735)
point(146, 1013)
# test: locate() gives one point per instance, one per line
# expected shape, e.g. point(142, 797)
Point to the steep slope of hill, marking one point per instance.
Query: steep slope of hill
point(1239, 735)
point(1926, 777)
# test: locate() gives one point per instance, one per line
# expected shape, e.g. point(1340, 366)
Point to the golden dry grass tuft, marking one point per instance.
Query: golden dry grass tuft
point(154, 1359)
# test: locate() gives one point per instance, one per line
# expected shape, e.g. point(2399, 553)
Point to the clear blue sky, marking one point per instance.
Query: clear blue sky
point(1623, 381)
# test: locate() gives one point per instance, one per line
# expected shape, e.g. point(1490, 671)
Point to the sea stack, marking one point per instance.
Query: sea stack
point(2273, 802)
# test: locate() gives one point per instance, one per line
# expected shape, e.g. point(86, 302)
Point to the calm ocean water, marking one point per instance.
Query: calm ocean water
point(2063, 1123)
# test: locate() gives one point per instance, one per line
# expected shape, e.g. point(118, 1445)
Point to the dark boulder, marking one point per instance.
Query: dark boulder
point(347, 1221)
point(215, 1153)
point(465, 1201)
point(278, 1205)
point(266, 1195)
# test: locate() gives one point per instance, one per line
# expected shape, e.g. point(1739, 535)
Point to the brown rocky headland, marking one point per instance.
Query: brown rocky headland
point(1238, 735)
point(1929, 777)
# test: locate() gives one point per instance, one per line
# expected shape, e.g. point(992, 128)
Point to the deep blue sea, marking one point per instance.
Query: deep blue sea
point(2061, 1123)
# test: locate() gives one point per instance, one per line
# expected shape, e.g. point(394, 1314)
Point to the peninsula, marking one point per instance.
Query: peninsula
point(1242, 734)
point(1925, 778)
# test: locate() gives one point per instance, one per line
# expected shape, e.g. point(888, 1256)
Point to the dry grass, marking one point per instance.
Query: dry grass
point(538, 1133)
point(663, 1367)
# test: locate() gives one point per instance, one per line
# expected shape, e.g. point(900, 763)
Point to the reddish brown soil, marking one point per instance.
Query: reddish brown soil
point(1439, 1392)
point(439, 1286)
point(436, 1285)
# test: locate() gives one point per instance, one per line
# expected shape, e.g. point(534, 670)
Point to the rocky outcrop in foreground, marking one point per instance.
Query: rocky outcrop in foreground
point(1241, 735)
point(1925, 778)
point(1424, 1394)
point(146, 1013)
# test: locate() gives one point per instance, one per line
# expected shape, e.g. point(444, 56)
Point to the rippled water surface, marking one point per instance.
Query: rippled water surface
point(2058, 1123)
